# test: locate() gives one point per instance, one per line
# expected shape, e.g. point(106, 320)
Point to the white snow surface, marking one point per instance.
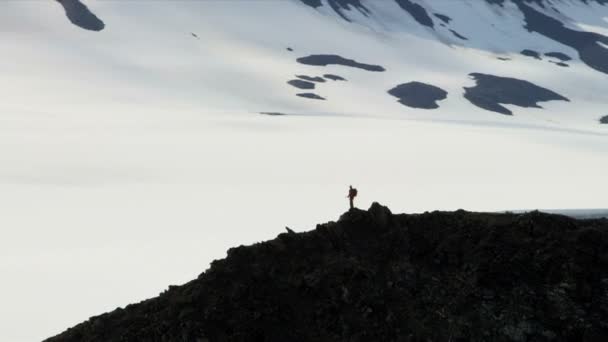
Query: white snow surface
point(132, 157)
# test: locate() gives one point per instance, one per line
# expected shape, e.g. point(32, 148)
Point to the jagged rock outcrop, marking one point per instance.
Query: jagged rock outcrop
point(375, 276)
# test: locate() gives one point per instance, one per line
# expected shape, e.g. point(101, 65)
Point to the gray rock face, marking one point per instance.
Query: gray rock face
point(80, 15)
point(492, 91)
point(604, 120)
point(419, 95)
point(325, 60)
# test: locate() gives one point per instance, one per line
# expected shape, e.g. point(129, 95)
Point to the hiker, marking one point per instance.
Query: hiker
point(352, 193)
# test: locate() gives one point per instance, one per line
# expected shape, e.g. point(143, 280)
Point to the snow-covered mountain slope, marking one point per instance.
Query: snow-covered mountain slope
point(544, 62)
point(131, 131)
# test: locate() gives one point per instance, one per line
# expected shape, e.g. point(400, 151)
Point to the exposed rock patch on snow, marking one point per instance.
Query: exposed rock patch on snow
point(273, 113)
point(559, 55)
point(531, 53)
point(417, 11)
point(446, 19)
point(317, 79)
point(492, 91)
point(311, 96)
point(300, 84)
point(419, 95)
point(325, 60)
point(586, 43)
point(458, 35)
point(80, 15)
point(334, 77)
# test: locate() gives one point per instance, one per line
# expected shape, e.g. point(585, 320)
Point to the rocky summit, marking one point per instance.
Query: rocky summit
point(375, 276)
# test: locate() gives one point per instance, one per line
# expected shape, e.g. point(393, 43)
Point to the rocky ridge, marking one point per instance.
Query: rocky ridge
point(375, 276)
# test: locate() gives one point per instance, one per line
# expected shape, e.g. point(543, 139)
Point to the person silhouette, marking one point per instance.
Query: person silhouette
point(352, 193)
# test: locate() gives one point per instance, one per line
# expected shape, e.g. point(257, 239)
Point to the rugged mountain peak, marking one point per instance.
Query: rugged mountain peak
point(376, 276)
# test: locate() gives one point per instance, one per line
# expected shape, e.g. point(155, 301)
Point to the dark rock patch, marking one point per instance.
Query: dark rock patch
point(503, 58)
point(334, 77)
point(340, 6)
point(586, 43)
point(561, 56)
point(273, 113)
point(311, 79)
point(419, 95)
point(417, 12)
point(80, 15)
point(604, 120)
point(542, 3)
point(301, 84)
point(492, 91)
point(443, 17)
point(531, 53)
point(375, 276)
point(325, 60)
point(312, 96)
point(289, 49)
point(561, 64)
point(458, 35)
point(313, 3)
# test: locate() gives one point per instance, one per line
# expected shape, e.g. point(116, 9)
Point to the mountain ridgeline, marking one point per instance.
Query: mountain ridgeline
point(376, 276)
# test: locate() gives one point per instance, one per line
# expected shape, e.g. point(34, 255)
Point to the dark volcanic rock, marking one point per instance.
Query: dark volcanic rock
point(325, 60)
point(376, 276)
point(334, 77)
point(491, 91)
point(531, 53)
point(80, 15)
point(419, 95)
point(311, 79)
point(561, 56)
point(311, 96)
point(301, 84)
point(604, 120)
